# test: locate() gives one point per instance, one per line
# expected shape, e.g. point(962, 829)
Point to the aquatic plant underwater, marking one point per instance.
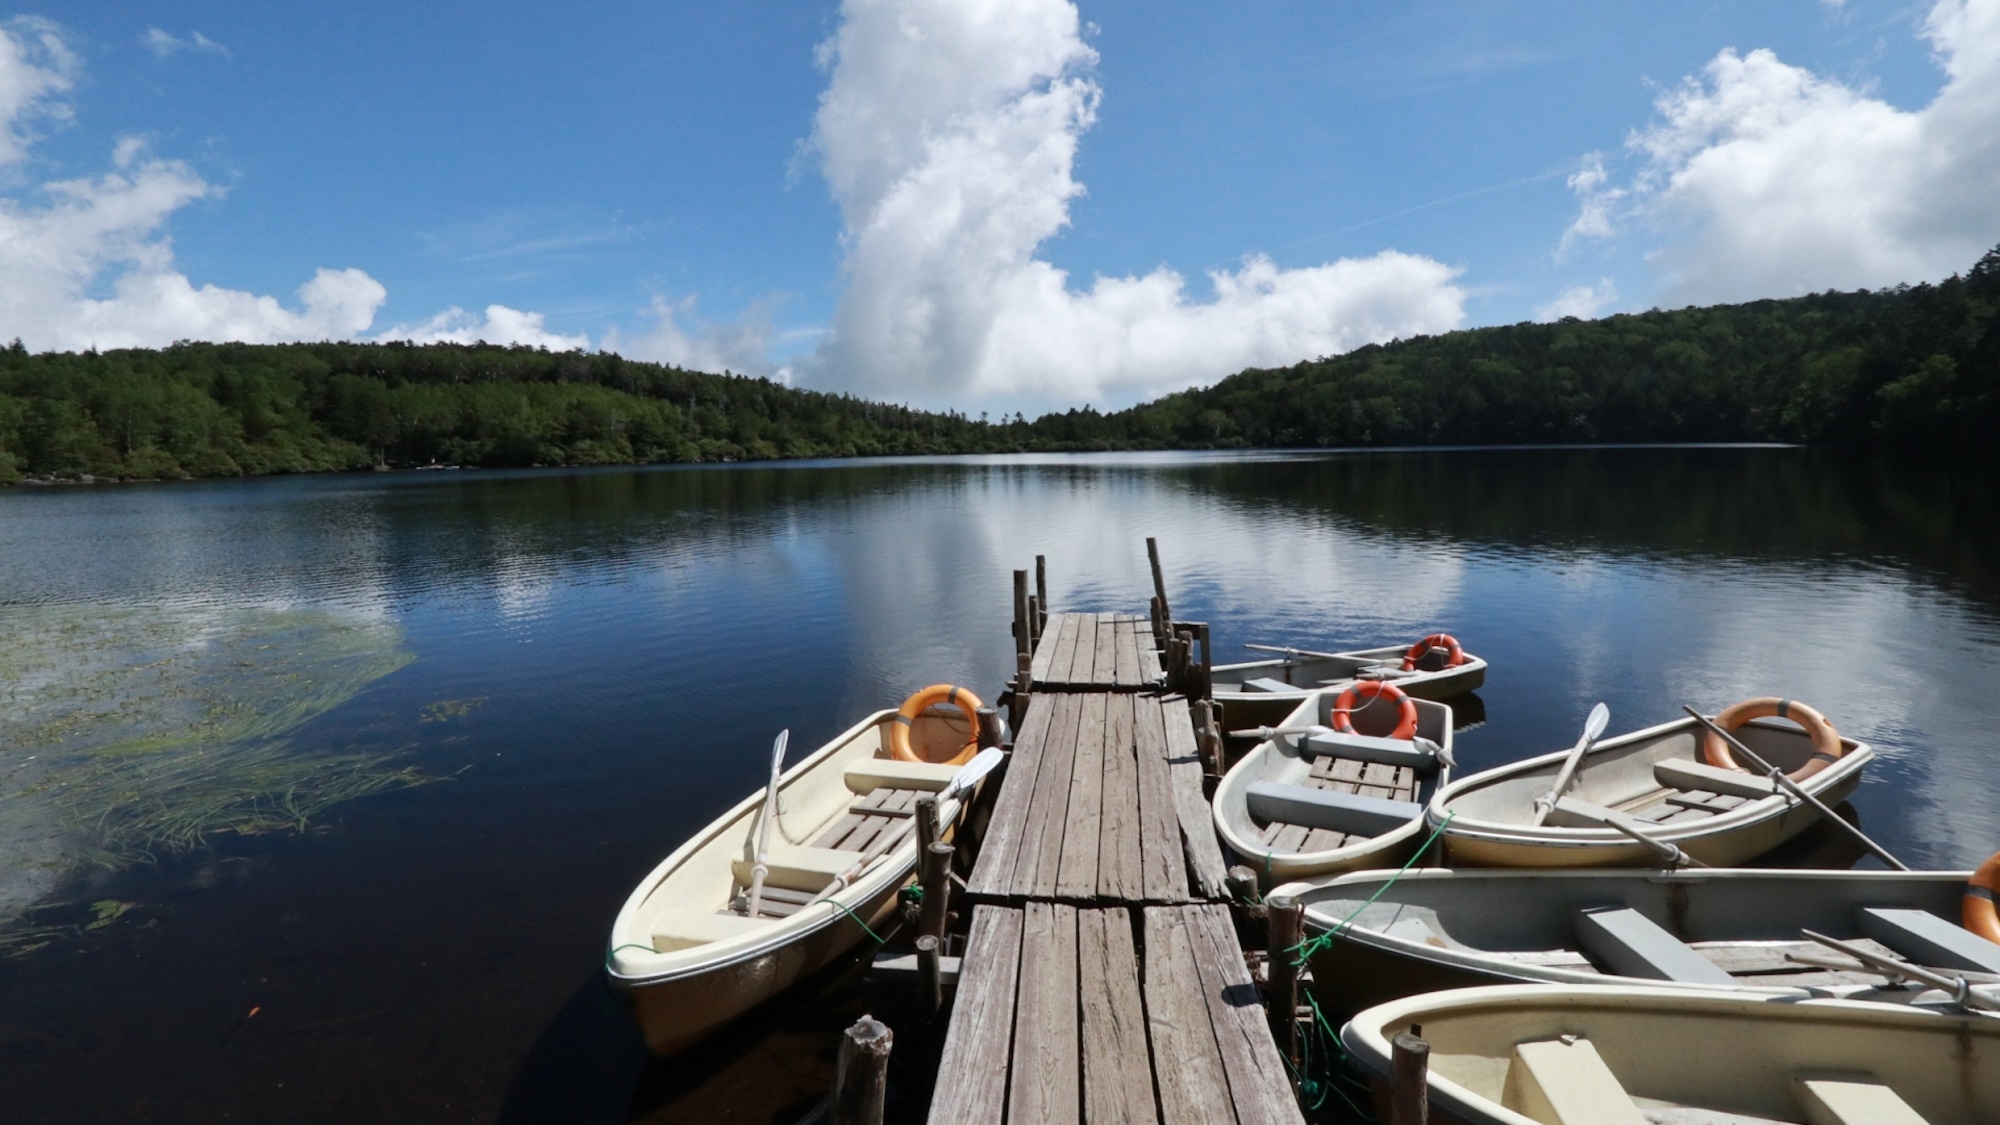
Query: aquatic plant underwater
point(131, 733)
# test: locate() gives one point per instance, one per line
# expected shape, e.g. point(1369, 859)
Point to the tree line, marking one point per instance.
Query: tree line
point(1912, 368)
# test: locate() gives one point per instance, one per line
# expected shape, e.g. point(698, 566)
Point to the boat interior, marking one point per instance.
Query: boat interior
point(1321, 792)
point(1655, 778)
point(1301, 671)
point(1640, 1059)
point(1738, 927)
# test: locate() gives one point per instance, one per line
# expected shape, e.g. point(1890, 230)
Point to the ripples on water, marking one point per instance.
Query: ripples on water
point(599, 657)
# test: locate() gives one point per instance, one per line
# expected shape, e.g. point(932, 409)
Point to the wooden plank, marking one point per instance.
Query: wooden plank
point(1379, 773)
point(1045, 1074)
point(1258, 1083)
point(1065, 654)
point(1118, 872)
point(1083, 651)
point(1204, 851)
point(1002, 842)
point(1149, 656)
point(1289, 837)
point(1117, 1071)
point(1162, 866)
point(1323, 840)
point(1045, 652)
point(1076, 876)
point(841, 829)
point(1186, 1058)
point(1041, 842)
point(1128, 654)
point(1104, 669)
point(972, 1082)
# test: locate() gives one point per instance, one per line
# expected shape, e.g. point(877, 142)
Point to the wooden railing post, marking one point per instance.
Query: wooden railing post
point(861, 1082)
point(1286, 919)
point(1409, 1078)
point(1023, 655)
point(989, 727)
point(930, 973)
point(935, 879)
point(1159, 581)
point(1042, 592)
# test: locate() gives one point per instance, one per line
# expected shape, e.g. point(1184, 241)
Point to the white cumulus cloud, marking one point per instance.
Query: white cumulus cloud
point(1581, 301)
point(86, 262)
point(163, 43)
point(1769, 180)
point(948, 134)
point(679, 337)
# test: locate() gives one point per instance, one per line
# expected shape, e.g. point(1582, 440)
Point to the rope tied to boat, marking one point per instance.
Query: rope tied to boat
point(842, 907)
point(1304, 951)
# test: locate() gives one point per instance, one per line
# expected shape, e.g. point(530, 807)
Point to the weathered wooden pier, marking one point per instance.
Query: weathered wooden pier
point(1102, 979)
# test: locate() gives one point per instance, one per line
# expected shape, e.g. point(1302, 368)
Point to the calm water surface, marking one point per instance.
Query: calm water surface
point(593, 663)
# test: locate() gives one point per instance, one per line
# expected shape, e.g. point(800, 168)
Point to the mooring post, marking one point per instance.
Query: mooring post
point(1159, 581)
point(1242, 882)
point(1042, 592)
point(935, 879)
point(930, 973)
point(1023, 656)
point(1208, 739)
point(989, 728)
point(1286, 919)
point(1159, 627)
point(1034, 622)
point(927, 820)
point(861, 1082)
point(1409, 1078)
point(1183, 657)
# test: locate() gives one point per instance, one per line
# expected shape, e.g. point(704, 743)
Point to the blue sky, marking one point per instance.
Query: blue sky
point(663, 178)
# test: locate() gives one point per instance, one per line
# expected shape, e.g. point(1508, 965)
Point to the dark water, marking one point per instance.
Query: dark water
point(621, 645)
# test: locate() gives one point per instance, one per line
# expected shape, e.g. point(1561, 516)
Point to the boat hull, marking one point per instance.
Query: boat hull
point(1242, 709)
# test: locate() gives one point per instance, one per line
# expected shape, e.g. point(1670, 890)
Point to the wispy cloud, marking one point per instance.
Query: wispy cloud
point(163, 43)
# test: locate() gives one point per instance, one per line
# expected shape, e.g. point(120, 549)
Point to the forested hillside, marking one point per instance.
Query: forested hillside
point(1914, 368)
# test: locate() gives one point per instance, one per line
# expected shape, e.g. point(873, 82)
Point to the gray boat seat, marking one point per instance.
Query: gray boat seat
point(1634, 945)
point(1677, 774)
point(1269, 685)
point(1418, 754)
point(1927, 939)
point(1565, 1082)
point(1322, 808)
point(1852, 1099)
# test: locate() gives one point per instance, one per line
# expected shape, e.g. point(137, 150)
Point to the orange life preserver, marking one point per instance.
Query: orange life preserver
point(1826, 741)
point(1976, 911)
point(1436, 640)
point(1352, 700)
point(899, 731)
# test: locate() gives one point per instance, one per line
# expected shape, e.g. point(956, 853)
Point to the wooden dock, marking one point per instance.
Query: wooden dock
point(1102, 979)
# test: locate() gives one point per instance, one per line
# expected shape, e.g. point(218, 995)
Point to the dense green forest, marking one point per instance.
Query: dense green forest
point(1914, 368)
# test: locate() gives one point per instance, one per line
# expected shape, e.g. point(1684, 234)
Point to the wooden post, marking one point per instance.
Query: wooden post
point(930, 973)
point(1034, 622)
point(1042, 592)
point(927, 821)
point(861, 1083)
point(935, 878)
point(1286, 919)
point(1241, 881)
point(1159, 626)
point(1204, 686)
point(1159, 582)
point(1183, 659)
point(1409, 1079)
point(1022, 653)
point(1208, 739)
point(989, 728)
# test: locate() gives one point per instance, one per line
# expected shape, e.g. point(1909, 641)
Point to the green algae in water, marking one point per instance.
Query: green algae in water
point(128, 733)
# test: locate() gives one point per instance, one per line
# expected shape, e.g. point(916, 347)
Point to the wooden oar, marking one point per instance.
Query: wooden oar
point(1291, 655)
point(1600, 717)
point(762, 867)
point(962, 782)
point(1672, 854)
point(1778, 777)
point(1959, 987)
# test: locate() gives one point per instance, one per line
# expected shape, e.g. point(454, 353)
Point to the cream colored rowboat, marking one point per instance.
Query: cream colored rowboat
point(1653, 776)
point(1388, 936)
point(683, 948)
point(1554, 1055)
point(1306, 804)
point(1260, 692)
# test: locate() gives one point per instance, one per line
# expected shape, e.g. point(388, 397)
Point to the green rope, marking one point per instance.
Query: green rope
point(838, 905)
point(613, 952)
point(913, 894)
point(1305, 950)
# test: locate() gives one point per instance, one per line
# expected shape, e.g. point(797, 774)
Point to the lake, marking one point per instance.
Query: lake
point(320, 794)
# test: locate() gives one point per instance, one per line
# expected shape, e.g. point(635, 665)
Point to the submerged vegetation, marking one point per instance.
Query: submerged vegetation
point(130, 733)
point(1908, 368)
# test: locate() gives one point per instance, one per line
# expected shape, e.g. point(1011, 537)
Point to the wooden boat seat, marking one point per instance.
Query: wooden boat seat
point(1633, 945)
point(887, 773)
point(1565, 1082)
point(1341, 775)
point(1325, 808)
point(1852, 1099)
point(1927, 939)
point(1418, 753)
point(881, 810)
point(1266, 684)
point(685, 929)
point(1677, 774)
point(796, 868)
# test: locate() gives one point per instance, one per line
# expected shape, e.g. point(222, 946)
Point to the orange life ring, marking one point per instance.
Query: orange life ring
point(899, 731)
point(1976, 911)
point(1826, 741)
point(1436, 640)
point(1351, 701)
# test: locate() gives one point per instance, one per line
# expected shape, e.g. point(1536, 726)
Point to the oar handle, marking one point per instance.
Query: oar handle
point(1959, 987)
